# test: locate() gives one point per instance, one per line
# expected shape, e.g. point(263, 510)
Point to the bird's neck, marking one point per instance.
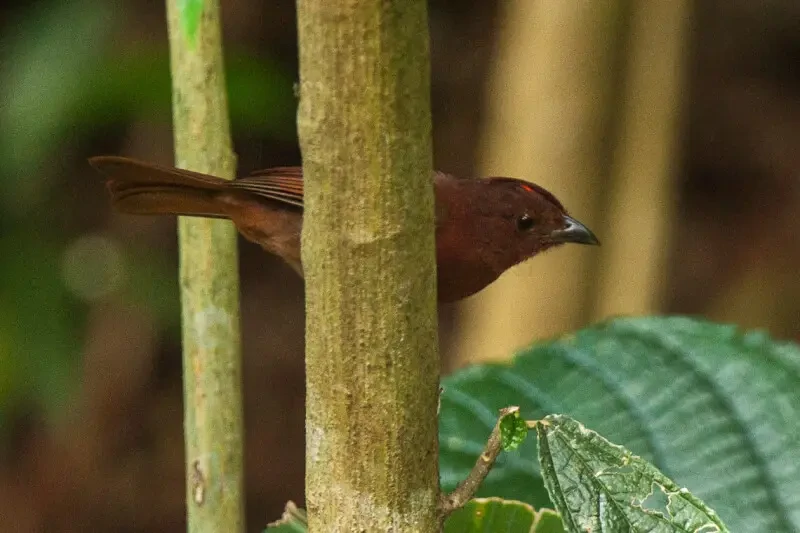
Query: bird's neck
point(457, 279)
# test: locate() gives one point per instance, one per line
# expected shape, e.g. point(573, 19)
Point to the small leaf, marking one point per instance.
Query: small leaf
point(513, 430)
point(490, 515)
point(293, 520)
point(599, 486)
point(190, 12)
point(548, 521)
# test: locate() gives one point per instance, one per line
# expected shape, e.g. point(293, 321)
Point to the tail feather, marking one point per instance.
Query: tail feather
point(167, 200)
point(146, 189)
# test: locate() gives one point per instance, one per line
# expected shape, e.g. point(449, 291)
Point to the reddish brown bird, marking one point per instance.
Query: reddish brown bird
point(483, 226)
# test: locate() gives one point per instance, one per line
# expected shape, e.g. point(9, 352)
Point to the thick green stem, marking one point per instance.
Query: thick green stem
point(209, 278)
point(368, 254)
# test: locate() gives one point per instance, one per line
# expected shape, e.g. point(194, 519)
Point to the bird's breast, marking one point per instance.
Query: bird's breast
point(462, 270)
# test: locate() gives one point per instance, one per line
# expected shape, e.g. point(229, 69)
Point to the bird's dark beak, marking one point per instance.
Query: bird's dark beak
point(574, 231)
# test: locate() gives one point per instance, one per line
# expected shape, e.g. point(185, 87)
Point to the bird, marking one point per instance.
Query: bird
point(484, 226)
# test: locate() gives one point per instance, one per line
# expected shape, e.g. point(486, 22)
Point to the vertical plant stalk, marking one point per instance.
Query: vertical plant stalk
point(549, 116)
point(208, 276)
point(368, 254)
point(641, 201)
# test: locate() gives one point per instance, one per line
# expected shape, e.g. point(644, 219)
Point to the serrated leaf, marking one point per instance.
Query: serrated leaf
point(599, 486)
point(496, 515)
point(714, 408)
point(513, 430)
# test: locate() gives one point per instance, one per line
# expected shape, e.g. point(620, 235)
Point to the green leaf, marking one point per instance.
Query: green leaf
point(599, 486)
point(548, 521)
point(294, 520)
point(190, 12)
point(491, 515)
point(513, 430)
point(715, 409)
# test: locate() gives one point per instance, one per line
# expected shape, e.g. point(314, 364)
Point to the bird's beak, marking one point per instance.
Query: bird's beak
point(574, 231)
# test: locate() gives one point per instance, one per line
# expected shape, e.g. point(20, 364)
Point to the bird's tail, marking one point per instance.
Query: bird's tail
point(145, 189)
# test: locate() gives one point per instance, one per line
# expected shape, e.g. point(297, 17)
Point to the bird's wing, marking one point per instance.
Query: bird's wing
point(282, 184)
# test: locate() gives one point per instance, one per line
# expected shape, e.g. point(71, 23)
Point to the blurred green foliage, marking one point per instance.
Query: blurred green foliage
point(39, 333)
point(48, 58)
point(67, 73)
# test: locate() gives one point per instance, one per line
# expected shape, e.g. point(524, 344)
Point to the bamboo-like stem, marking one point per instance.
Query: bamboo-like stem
point(550, 118)
point(641, 198)
point(208, 277)
point(372, 367)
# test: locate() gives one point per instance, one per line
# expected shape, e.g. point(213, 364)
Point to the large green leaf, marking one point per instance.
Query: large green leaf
point(715, 409)
point(599, 486)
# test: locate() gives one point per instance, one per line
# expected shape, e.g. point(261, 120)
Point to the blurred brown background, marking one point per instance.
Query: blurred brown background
point(672, 128)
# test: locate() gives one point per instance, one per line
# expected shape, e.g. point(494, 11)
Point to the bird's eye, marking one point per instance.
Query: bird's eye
point(525, 222)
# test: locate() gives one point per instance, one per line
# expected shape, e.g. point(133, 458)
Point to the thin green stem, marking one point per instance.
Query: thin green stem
point(208, 277)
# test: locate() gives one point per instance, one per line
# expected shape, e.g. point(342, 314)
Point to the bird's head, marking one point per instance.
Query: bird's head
point(487, 226)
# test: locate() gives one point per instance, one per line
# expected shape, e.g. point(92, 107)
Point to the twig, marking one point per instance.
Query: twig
point(483, 465)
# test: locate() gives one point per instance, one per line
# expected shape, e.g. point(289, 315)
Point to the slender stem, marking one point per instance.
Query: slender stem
point(372, 365)
point(483, 465)
point(208, 277)
point(554, 83)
